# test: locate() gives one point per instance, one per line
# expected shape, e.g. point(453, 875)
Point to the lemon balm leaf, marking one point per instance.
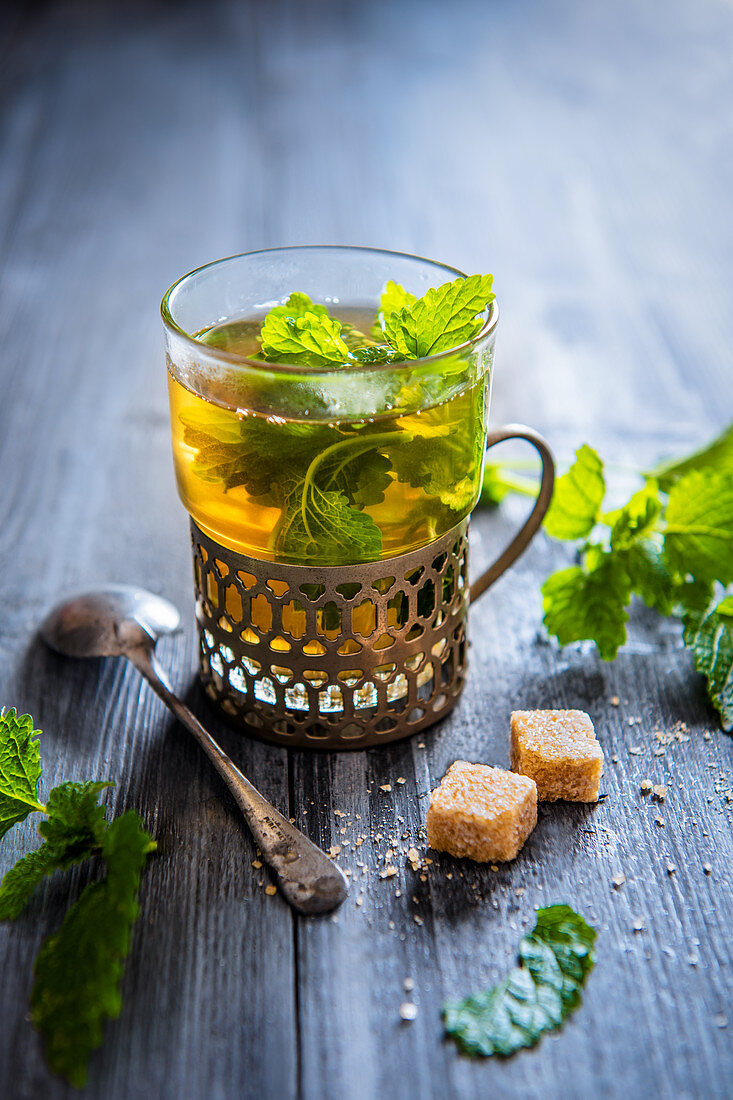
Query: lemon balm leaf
point(307, 339)
point(709, 637)
point(79, 968)
point(718, 455)
point(72, 832)
point(698, 536)
point(23, 878)
point(20, 769)
point(375, 353)
point(248, 450)
point(671, 545)
point(589, 604)
point(320, 525)
point(650, 578)
point(536, 997)
point(638, 518)
point(297, 305)
point(445, 317)
point(394, 298)
point(578, 497)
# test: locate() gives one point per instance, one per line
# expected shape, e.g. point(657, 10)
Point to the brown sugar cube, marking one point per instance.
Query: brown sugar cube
point(481, 812)
point(558, 749)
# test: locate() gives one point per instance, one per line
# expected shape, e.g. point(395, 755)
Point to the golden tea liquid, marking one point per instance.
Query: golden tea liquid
point(332, 491)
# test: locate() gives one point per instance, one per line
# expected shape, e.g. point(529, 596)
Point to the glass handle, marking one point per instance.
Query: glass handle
point(524, 536)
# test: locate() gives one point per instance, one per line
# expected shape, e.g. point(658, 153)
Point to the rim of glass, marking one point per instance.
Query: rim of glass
point(288, 368)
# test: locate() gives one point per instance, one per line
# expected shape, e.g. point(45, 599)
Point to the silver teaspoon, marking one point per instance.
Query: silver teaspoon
point(121, 621)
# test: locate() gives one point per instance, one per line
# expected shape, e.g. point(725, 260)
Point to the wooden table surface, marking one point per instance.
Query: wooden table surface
point(581, 152)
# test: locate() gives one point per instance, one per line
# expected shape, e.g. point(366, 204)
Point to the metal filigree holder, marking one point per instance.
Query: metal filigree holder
point(345, 657)
point(334, 657)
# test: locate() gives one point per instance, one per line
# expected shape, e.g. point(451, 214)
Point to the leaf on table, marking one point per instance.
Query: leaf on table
point(445, 317)
point(589, 603)
point(79, 968)
point(636, 519)
point(698, 537)
point(20, 769)
point(578, 497)
point(650, 578)
point(692, 595)
point(717, 454)
point(709, 637)
point(72, 833)
point(536, 997)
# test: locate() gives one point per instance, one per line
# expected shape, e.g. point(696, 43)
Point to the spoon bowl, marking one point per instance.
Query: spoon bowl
point(109, 622)
point(122, 621)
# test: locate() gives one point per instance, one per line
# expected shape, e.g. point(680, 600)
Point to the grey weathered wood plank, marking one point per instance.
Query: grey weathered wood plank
point(583, 154)
point(88, 496)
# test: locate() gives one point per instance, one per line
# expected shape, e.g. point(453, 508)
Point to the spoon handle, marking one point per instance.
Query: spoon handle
point(309, 880)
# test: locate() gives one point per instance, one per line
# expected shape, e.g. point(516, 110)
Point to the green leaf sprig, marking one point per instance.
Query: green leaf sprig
point(79, 968)
point(535, 997)
point(322, 477)
point(670, 545)
point(303, 333)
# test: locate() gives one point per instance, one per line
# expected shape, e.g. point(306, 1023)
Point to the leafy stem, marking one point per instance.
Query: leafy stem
point(671, 545)
point(356, 445)
point(79, 968)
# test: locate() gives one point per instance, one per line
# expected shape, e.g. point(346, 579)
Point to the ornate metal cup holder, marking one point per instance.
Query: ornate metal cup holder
point(344, 657)
point(337, 656)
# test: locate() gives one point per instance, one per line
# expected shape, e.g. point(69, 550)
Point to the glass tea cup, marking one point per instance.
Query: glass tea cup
point(329, 505)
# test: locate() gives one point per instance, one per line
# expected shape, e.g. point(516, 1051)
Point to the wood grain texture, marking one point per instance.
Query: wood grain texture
point(583, 153)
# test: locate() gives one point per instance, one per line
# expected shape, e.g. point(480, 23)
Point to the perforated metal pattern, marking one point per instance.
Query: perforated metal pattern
point(333, 657)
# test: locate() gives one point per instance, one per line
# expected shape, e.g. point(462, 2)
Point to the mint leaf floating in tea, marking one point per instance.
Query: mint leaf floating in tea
point(393, 298)
point(322, 338)
point(445, 317)
point(79, 968)
point(310, 339)
point(325, 472)
point(375, 353)
point(20, 769)
point(536, 997)
point(320, 525)
point(322, 517)
point(249, 450)
point(298, 305)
